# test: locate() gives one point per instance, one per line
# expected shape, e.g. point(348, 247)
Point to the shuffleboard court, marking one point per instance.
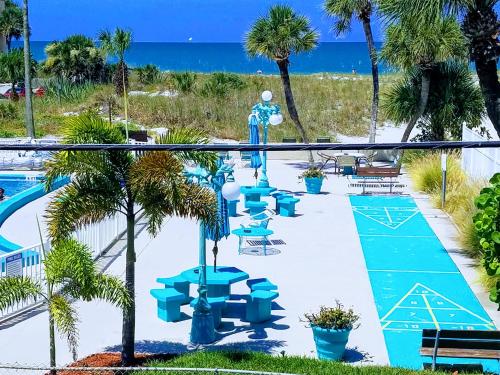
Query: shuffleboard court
point(415, 283)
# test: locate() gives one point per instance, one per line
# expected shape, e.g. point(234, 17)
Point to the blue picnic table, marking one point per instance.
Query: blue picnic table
point(218, 283)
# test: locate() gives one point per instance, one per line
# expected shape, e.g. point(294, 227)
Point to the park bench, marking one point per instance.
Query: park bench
point(287, 206)
point(169, 303)
point(179, 283)
point(261, 284)
point(258, 305)
point(377, 177)
point(460, 344)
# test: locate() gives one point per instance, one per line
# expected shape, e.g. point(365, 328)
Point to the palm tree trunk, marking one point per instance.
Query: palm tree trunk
point(125, 99)
point(424, 97)
point(2, 37)
point(488, 80)
point(29, 120)
point(52, 344)
point(290, 102)
point(128, 328)
point(374, 60)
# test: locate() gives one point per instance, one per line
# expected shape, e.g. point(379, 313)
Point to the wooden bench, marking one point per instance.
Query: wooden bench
point(377, 177)
point(460, 344)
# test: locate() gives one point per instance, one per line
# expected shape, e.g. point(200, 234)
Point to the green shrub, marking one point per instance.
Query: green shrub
point(487, 224)
point(8, 111)
point(312, 172)
point(333, 318)
point(220, 85)
point(184, 82)
point(148, 74)
point(63, 90)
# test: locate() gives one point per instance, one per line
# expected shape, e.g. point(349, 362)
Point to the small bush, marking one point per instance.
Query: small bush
point(184, 82)
point(220, 85)
point(8, 111)
point(333, 318)
point(63, 90)
point(148, 74)
point(312, 172)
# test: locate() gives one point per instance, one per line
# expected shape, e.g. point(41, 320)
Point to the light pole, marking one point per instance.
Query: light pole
point(202, 325)
point(267, 113)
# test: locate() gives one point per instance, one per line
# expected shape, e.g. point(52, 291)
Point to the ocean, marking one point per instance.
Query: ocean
point(339, 57)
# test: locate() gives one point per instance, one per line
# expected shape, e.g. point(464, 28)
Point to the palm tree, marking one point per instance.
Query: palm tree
point(481, 28)
point(12, 69)
point(70, 273)
point(29, 120)
point(344, 11)
point(276, 37)
point(112, 182)
point(11, 23)
point(454, 99)
point(117, 44)
point(410, 44)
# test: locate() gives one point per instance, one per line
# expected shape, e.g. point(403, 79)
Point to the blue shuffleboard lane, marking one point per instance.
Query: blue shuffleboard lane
point(415, 283)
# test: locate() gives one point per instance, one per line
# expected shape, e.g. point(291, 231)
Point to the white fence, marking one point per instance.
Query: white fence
point(28, 261)
point(479, 163)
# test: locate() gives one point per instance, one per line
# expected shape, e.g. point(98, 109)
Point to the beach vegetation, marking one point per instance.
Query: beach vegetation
point(184, 82)
point(12, 70)
point(220, 85)
point(277, 37)
point(148, 74)
point(112, 182)
point(75, 59)
point(70, 274)
point(344, 11)
point(11, 23)
point(454, 99)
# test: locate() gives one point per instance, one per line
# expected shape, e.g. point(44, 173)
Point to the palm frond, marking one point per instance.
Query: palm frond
point(207, 160)
point(14, 290)
point(110, 289)
point(65, 319)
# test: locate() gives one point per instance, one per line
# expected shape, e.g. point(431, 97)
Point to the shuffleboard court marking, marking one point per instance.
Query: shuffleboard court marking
point(417, 271)
point(387, 216)
point(432, 302)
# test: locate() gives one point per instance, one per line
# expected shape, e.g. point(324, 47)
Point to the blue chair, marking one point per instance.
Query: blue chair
point(178, 283)
point(258, 306)
point(232, 208)
point(261, 284)
point(287, 206)
point(169, 303)
point(217, 304)
point(256, 207)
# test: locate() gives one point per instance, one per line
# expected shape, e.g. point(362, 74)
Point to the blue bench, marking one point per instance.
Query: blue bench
point(278, 196)
point(256, 207)
point(169, 303)
point(287, 206)
point(261, 284)
point(251, 197)
point(258, 306)
point(217, 304)
point(178, 283)
point(232, 208)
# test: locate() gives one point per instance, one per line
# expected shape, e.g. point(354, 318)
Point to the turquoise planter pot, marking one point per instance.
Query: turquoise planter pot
point(330, 343)
point(313, 184)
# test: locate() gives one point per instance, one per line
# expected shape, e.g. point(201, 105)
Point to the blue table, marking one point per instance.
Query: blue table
point(252, 232)
point(218, 283)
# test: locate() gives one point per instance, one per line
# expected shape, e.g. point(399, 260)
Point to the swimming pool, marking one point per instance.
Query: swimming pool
point(14, 184)
point(415, 283)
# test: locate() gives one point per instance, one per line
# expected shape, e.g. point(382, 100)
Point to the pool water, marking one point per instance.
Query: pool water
point(415, 283)
point(15, 185)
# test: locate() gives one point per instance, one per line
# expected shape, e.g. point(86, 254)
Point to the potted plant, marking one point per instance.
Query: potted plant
point(331, 327)
point(313, 178)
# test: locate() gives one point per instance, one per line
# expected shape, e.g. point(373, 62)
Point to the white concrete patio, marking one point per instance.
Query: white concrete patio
point(322, 261)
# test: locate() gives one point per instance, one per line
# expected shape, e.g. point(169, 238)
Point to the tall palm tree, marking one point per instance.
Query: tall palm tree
point(3, 46)
point(70, 273)
point(12, 69)
point(410, 44)
point(277, 36)
point(29, 119)
point(11, 23)
point(112, 182)
point(481, 27)
point(117, 44)
point(344, 11)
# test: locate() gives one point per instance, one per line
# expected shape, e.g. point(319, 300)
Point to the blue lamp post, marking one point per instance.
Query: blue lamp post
point(202, 326)
point(267, 114)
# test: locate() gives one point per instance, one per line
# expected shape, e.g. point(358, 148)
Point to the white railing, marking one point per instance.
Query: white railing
point(479, 163)
point(98, 237)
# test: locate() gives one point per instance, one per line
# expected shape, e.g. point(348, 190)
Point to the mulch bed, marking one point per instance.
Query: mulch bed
point(110, 360)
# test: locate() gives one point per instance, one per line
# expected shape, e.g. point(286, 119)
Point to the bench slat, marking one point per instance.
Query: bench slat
point(462, 353)
point(478, 344)
point(462, 334)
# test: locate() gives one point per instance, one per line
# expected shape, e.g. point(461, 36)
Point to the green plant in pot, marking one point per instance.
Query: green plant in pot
point(313, 177)
point(331, 327)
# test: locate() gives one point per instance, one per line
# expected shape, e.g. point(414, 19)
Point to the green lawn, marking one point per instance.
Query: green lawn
point(264, 362)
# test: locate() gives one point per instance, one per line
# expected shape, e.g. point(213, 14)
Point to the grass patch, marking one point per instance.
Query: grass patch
point(328, 105)
point(265, 362)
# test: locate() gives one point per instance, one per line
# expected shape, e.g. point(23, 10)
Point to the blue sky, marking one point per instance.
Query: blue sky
point(170, 20)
